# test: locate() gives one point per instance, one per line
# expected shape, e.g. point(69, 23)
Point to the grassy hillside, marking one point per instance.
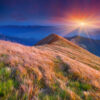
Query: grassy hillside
point(55, 69)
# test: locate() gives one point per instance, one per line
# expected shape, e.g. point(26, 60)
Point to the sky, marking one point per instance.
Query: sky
point(45, 12)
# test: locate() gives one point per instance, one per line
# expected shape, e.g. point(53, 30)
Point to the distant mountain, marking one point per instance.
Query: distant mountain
point(39, 32)
point(29, 42)
point(91, 45)
point(35, 32)
point(54, 69)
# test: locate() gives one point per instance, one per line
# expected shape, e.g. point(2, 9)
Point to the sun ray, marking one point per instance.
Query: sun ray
point(84, 24)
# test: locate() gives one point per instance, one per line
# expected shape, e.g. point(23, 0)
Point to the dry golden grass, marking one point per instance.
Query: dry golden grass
point(39, 67)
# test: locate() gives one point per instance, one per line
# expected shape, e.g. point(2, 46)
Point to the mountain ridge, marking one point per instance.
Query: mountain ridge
point(91, 45)
point(86, 43)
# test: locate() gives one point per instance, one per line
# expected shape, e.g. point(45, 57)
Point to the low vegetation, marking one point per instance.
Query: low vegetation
point(49, 72)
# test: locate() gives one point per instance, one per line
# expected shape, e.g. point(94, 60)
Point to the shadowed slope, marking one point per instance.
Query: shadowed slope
point(87, 43)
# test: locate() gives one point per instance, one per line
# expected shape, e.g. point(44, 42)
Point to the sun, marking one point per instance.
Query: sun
point(82, 24)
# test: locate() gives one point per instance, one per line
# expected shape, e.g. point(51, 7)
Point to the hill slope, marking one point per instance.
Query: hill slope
point(55, 69)
point(87, 43)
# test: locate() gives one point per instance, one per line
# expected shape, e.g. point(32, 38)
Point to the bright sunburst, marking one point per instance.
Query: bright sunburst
point(82, 24)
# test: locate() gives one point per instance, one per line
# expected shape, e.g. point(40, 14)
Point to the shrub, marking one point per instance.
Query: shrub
point(85, 86)
point(57, 95)
point(3, 55)
point(79, 87)
point(40, 83)
point(2, 64)
point(8, 85)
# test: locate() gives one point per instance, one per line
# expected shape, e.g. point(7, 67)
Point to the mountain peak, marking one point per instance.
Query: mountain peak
point(56, 40)
point(54, 35)
point(49, 39)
